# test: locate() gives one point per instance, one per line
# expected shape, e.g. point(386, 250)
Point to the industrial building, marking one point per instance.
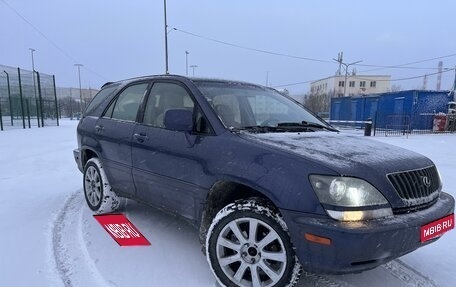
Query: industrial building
point(352, 85)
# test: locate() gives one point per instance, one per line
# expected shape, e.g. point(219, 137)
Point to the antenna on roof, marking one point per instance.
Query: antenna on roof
point(340, 57)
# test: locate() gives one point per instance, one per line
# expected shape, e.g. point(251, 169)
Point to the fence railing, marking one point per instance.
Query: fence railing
point(403, 125)
point(27, 99)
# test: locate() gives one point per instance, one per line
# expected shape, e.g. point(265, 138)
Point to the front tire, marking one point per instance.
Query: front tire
point(97, 191)
point(248, 245)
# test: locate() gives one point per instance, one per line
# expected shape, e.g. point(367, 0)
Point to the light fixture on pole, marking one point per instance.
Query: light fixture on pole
point(346, 71)
point(193, 68)
point(186, 63)
point(80, 87)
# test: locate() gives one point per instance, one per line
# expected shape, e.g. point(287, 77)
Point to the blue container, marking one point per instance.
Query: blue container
point(394, 110)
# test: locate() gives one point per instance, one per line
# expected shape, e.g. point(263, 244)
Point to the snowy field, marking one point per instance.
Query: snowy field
point(49, 237)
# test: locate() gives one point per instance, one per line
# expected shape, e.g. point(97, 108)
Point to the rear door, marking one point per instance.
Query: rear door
point(115, 129)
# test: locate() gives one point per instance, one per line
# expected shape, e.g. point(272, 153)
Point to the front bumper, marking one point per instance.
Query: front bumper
point(77, 158)
point(363, 245)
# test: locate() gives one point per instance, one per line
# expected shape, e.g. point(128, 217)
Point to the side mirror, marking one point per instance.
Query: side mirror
point(179, 120)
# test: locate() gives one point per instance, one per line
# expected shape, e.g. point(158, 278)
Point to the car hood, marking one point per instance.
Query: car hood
point(348, 155)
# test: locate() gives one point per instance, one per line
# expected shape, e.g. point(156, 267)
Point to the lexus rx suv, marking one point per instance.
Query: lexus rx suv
point(272, 188)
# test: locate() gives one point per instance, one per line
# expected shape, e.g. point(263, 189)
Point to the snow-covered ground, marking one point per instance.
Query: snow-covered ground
point(49, 237)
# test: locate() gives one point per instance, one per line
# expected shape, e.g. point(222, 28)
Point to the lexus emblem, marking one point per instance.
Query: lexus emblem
point(426, 181)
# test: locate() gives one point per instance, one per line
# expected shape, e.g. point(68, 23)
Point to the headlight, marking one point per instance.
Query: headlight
point(349, 198)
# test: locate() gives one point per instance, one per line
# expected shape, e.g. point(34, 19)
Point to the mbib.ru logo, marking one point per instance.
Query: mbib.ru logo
point(437, 228)
point(121, 230)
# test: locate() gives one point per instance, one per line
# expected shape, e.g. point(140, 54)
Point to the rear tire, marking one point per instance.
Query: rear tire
point(248, 245)
point(97, 191)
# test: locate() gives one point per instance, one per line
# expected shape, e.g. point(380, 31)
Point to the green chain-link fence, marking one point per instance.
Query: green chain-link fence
point(27, 99)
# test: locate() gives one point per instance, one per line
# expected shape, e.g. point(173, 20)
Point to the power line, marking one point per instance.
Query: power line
point(293, 84)
point(380, 67)
point(47, 38)
point(408, 78)
point(252, 49)
point(377, 67)
point(377, 80)
point(406, 64)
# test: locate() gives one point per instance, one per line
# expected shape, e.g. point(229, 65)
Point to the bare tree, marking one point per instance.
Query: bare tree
point(396, 88)
point(317, 103)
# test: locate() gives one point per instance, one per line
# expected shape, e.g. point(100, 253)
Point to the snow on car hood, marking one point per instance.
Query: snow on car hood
point(345, 154)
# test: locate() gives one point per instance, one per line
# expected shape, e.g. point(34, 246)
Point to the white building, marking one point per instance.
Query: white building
point(356, 85)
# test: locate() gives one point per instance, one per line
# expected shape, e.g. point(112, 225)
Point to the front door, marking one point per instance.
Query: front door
point(166, 168)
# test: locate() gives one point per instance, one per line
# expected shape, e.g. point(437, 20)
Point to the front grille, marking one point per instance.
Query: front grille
point(416, 186)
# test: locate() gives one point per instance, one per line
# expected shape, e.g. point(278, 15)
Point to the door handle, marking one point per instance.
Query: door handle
point(99, 128)
point(140, 137)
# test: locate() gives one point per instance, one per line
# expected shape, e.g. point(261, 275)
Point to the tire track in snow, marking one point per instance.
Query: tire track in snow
point(311, 279)
point(408, 275)
point(76, 267)
point(396, 268)
point(72, 259)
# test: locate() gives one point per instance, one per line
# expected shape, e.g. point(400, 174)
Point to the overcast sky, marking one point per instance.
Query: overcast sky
point(121, 39)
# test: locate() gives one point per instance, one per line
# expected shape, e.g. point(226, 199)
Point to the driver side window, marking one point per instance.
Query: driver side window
point(162, 98)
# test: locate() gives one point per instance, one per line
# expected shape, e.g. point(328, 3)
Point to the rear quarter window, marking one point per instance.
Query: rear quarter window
point(99, 98)
point(125, 107)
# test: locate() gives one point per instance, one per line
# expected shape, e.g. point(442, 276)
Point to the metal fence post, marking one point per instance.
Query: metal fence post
point(41, 99)
point(375, 123)
point(37, 107)
point(20, 94)
point(28, 112)
point(9, 97)
point(1, 117)
point(55, 99)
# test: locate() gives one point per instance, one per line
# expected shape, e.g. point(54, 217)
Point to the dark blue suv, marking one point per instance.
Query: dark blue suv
point(270, 186)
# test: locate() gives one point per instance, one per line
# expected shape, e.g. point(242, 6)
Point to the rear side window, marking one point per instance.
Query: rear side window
point(125, 107)
point(100, 97)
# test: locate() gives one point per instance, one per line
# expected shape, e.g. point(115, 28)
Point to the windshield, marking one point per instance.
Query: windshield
point(243, 106)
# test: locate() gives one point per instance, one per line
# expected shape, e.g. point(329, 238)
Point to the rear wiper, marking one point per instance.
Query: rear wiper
point(305, 124)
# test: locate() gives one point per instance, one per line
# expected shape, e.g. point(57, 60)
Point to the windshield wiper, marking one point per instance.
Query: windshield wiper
point(262, 129)
point(276, 129)
point(285, 127)
point(305, 124)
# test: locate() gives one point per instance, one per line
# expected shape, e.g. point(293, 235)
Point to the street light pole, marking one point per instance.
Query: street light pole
point(166, 40)
point(193, 67)
point(346, 71)
point(186, 63)
point(80, 87)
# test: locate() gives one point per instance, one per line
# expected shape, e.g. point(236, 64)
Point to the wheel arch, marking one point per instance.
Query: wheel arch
point(222, 193)
point(86, 154)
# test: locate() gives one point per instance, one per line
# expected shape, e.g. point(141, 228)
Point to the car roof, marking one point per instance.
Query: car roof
point(172, 76)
